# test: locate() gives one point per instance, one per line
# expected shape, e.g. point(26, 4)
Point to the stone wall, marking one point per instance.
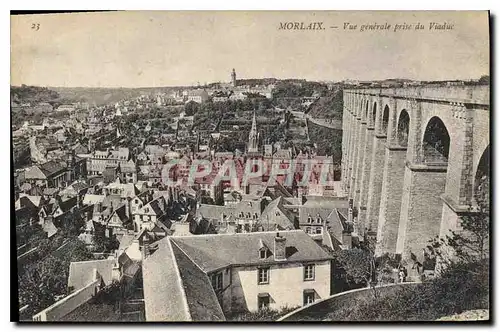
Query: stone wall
point(341, 301)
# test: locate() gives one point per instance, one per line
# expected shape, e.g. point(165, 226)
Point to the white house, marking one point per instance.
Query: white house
point(202, 277)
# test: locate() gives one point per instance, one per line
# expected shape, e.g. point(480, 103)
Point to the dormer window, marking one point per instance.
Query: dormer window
point(309, 219)
point(263, 253)
point(318, 219)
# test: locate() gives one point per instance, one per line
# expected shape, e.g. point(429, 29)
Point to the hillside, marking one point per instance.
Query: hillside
point(102, 96)
point(328, 107)
point(32, 94)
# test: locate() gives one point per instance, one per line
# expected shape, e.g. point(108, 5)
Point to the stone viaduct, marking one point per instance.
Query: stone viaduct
point(410, 160)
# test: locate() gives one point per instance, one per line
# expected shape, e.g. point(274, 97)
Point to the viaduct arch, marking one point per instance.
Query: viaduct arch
point(410, 160)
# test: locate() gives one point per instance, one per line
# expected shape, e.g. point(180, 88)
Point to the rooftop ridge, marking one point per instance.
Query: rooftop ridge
point(179, 279)
point(170, 239)
point(93, 260)
point(239, 234)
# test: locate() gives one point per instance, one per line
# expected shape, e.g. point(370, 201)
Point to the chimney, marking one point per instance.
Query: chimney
point(347, 240)
point(115, 272)
point(127, 208)
point(145, 246)
point(279, 248)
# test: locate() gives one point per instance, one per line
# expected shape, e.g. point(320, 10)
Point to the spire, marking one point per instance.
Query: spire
point(254, 123)
point(253, 137)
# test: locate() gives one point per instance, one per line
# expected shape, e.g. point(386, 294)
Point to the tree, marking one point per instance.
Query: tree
point(105, 244)
point(472, 241)
point(191, 108)
point(356, 264)
point(485, 79)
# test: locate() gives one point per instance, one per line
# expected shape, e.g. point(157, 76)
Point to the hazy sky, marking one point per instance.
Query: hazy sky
point(146, 49)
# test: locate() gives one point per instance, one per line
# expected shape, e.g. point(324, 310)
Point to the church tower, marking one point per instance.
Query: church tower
point(233, 78)
point(253, 138)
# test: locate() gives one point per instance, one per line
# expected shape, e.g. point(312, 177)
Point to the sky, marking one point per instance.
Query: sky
point(158, 48)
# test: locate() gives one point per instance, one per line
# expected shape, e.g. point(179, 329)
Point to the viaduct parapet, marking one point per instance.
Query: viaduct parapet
point(410, 160)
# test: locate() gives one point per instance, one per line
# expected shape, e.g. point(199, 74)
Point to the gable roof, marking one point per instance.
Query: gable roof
point(236, 249)
point(275, 214)
point(120, 212)
point(164, 296)
point(28, 201)
point(322, 206)
point(66, 205)
point(51, 167)
point(200, 296)
point(176, 289)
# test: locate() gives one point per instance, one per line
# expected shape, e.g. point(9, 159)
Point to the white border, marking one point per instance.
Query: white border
point(200, 5)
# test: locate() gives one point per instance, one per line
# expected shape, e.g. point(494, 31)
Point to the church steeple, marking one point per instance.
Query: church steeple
point(253, 138)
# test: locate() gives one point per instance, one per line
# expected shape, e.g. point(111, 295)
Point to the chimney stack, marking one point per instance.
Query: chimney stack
point(279, 247)
point(145, 246)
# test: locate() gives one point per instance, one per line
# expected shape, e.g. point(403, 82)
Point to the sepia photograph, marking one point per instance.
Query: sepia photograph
point(250, 166)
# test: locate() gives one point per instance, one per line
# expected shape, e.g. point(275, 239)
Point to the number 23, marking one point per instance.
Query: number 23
point(35, 26)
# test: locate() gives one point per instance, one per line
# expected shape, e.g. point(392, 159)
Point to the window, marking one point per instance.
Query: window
point(309, 220)
point(263, 301)
point(308, 297)
point(309, 272)
point(318, 219)
point(318, 230)
point(308, 230)
point(263, 273)
point(263, 253)
point(217, 281)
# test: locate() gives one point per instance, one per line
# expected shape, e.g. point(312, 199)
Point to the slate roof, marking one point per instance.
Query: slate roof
point(79, 186)
point(175, 289)
point(90, 199)
point(164, 297)
point(28, 201)
point(121, 213)
point(322, 206)
point(211, 212)
point(126, 189)
point(215, 251)
point(202, 301)
point(80, 273)
point(284, 219)
point(66, 205)
point(51, 168)
point(128, 167)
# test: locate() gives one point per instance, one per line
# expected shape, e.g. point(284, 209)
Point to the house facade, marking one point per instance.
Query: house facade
point(249, 272)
